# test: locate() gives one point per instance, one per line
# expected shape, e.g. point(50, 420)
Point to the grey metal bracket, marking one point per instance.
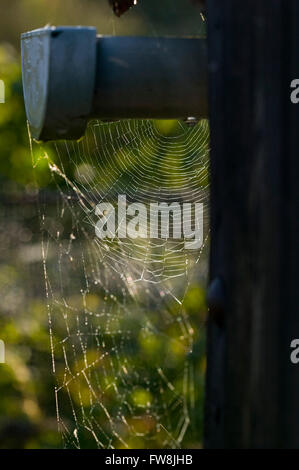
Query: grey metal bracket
point(71, 75)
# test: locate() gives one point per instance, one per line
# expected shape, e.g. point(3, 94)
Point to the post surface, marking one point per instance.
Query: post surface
point(252, 386)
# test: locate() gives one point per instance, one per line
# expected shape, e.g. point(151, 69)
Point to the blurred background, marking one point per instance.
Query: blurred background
point(27, 407)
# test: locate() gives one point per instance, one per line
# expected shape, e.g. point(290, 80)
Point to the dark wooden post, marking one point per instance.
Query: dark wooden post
point(252, 386)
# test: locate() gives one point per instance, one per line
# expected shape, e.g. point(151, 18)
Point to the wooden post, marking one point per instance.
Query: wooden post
point(252, 386)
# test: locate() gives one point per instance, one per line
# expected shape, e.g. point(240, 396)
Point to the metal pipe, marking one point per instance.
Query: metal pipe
point(71, 75)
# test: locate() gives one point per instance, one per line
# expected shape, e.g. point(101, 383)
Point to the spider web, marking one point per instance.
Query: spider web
point(124, 315)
